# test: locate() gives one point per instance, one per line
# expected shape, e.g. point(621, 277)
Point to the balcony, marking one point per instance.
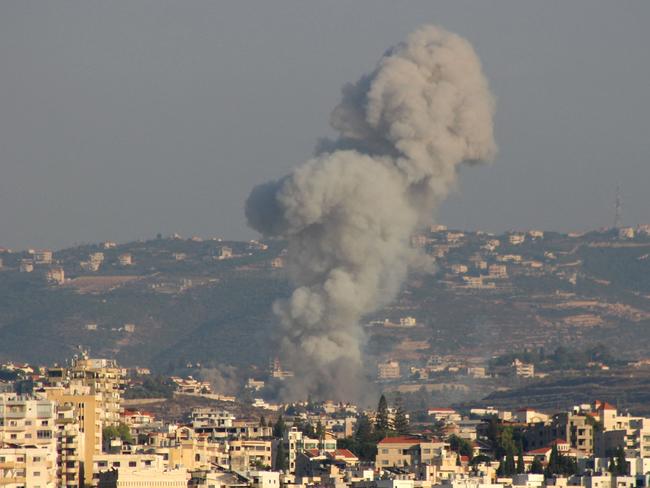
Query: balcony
point(12, 481)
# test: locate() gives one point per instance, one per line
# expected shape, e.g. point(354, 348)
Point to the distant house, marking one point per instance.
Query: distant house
point(56, 275)
point(516, 239)
point(125, 259)
point(43, 256)
point(388, 370)
point(26, 266)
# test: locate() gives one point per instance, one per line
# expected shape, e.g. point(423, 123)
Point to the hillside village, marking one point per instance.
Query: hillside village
point(202, 308)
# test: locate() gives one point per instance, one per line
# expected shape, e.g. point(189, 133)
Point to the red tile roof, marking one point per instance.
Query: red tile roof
point(345, 453)
point(401, 439)
point(541, 450)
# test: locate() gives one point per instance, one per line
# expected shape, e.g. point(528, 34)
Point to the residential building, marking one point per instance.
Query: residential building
point(56, 275)
point(388, 370)
point(43, 256)
point(106, 379)
point(410, 451)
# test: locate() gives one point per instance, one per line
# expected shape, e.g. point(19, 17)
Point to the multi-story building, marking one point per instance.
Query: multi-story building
point(27, 466)
point(56, 275)
point(403, 451)
point(388, 370)
point(68, 446)
point(134, 471)
point(251, 454)
point(296, 442)
point(106, 379)
point(43, 256)
point(27, 442)
point(87, 411)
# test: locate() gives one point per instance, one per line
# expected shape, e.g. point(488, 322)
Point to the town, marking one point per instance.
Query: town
point(80, 425)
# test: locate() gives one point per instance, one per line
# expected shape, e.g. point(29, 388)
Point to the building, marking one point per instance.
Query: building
point(106, 379)
point(125, 259)
point(43, 256)
point(27, 442)
point(444, 414)
point(68, 447)
point(135, 471)
point(86, 410)
point(225, 252)
point(498, 271)
point(27, 466)
point(251, 454)
point(408, 321)
point(388, 370)
point(523, 370)
point(56, 275)
point(277, 263)
point(626, 233)
point(459, 268)
point(26, 266)
point(516, 239)
point(397, 452)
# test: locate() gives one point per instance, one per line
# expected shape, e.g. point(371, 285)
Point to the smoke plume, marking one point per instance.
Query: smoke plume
point(349, 212)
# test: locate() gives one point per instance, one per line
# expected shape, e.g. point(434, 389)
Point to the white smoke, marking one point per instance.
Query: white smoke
point(349, 212)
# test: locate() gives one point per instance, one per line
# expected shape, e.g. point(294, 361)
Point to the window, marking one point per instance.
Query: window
point(132, 464)
point(384, 451)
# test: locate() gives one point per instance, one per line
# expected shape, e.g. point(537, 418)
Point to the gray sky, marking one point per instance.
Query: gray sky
point(122, 119)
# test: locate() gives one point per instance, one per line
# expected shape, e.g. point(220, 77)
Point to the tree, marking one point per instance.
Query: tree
point(521, 467)
point(510, 467)
point(460, 445)
point(401, 422)
point(281, 458)
point(553, 466)
point(382, 424)
point(262, 421)
point(536, 466)
point(621, 463)
point(320, 431)
point(481, 458)
point(612, 468)
point(278, 428)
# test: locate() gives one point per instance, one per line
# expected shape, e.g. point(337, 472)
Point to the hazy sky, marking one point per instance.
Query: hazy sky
point(122, 119)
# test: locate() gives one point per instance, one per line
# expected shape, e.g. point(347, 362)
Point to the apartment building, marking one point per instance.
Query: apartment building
point(250, 454)
point(393, 452)
point(27, 466)
point(296, 442)
point(106, 379)
point(87, 411)
point(68, 447)
point(388, 370)
point(137, 471)
point(27, 442)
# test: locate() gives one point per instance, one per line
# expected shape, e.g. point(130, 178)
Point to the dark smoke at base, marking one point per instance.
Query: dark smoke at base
point(349, 212)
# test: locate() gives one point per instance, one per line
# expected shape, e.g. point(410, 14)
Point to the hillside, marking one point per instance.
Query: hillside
point(168, 301)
